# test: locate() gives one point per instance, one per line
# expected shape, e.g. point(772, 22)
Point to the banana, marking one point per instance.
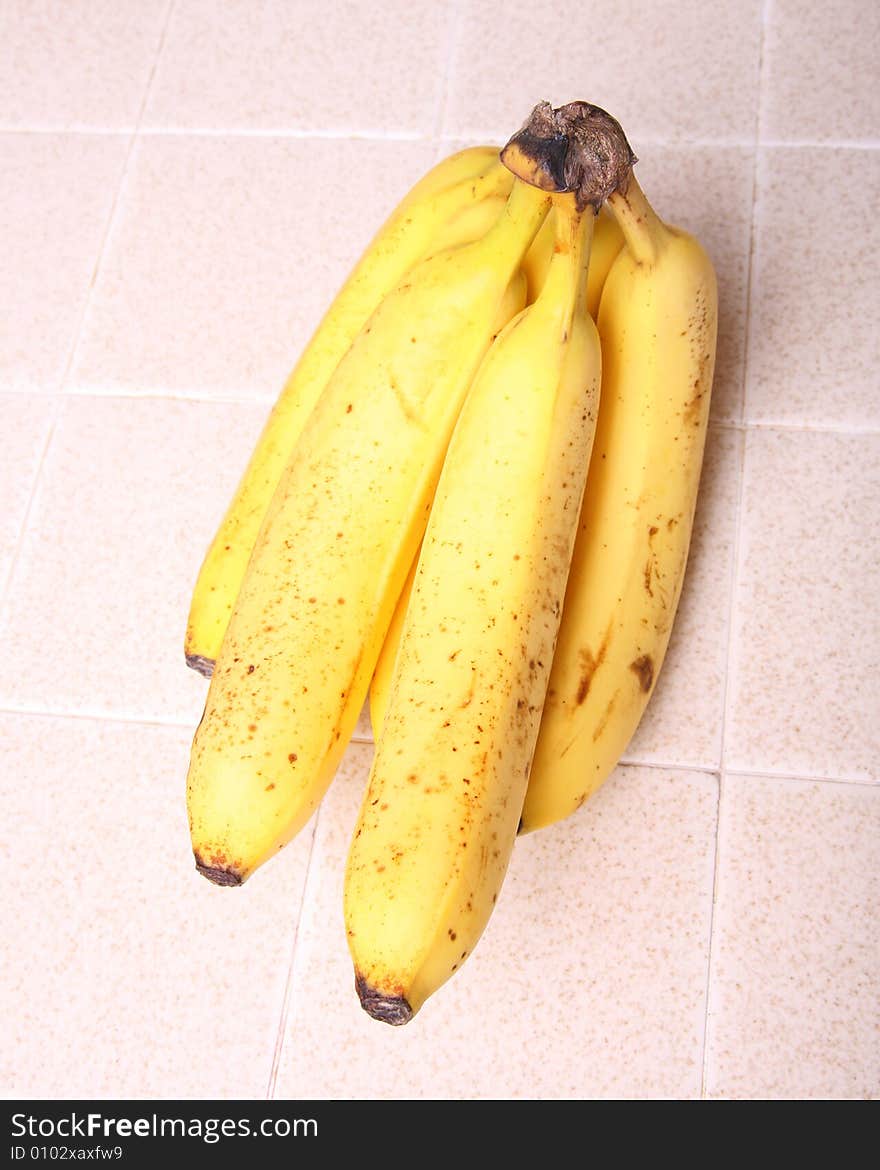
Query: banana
point(537, 260)
point(380, 685)
point(607, 242)
point(337, 542)
point(440, 816)
point(456, 202)
point(657, 322)
point(513, 302)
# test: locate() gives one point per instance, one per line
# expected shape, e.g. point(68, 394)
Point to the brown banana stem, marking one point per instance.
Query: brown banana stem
point(577, 147)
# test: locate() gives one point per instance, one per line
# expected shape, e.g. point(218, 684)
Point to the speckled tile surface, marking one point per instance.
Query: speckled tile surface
point(815, 347)
point(224, 257)
point(129, 497)
point(25, 422)
point(821, 71)
point(186, 185)
point(794, 1011)
point(619, 896)
point(698, 81)
point(58, 193)
point(806, 635)
point(80, 64)
point(134, 977)
point(280, 64)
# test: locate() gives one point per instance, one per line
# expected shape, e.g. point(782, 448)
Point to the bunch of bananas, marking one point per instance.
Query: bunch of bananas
point(472, 501)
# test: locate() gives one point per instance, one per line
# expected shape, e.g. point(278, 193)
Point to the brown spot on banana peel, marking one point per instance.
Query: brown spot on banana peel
point(589, 665)
point(606, 715)
point(390, 1009)
point(643, 668)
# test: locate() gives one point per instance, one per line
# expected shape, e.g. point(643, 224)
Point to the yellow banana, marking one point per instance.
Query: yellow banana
point(657, 322)
point(537, 260)
point(380, 685)
point(607, 242)
point(440, 816)
point(335, 547)
point(513, 302)
point(456, 202)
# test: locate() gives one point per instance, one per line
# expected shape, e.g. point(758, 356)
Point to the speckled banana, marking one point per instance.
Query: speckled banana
point(456, 202)
point(606, 244)
point(440, 816)
point(657, 322)
point(335, 547)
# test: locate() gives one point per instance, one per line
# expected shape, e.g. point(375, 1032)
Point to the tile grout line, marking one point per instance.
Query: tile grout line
point(262, 401)
point(453, 33)
point(93, 716)
point(733, 583)
point(802, 777)
point(287, 996)
point(378, 135)
point(111, 717)
point(808, 428)
point(117, 198)
point(58, 392)
point(625, 761)
point(6, 583)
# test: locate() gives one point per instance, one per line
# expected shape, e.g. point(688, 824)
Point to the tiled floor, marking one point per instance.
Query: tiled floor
point(185, 185)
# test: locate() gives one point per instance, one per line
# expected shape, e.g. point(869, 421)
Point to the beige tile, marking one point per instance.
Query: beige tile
point(588, 982)
point(129, 498)
point(25, 420)
point(80, 63)
point(670, 71)
point(131, 976)
point(795, 989)
point(708, 192)
point(305, 65)
point(58, 193)
point(224, 257)
point(820, 76)
point(682, 723)
point(814, 347)
point(806, 637)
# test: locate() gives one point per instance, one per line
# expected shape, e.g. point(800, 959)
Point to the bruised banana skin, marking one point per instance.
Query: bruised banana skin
point(440, 816)
point(335, 547)
point(658, 323)
point(455, 203)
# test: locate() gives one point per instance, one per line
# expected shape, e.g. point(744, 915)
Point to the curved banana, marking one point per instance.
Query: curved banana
point(606, 244)
point(454, 203)
point(440, 816)
point(335, 547)
point(657, 321)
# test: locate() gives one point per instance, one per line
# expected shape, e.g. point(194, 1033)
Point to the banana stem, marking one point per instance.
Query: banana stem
point(525, 209)
point(643, 230)
point(577, 147)
point(571, 252)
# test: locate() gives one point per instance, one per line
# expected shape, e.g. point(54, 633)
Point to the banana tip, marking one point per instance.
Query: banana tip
point(205, 666)
point(390, 1009)
point(218, 874)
